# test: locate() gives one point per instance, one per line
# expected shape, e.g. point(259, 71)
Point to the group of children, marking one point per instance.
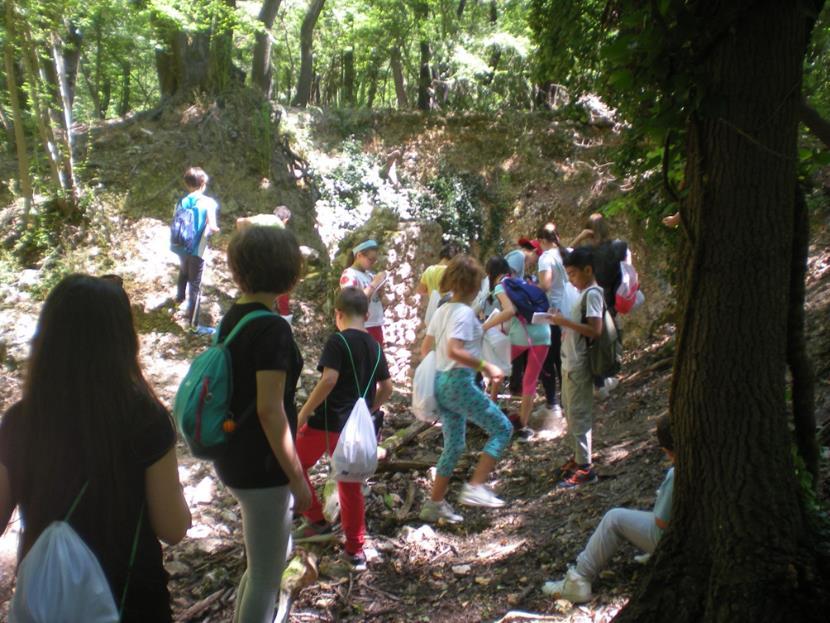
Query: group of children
point(116, 442)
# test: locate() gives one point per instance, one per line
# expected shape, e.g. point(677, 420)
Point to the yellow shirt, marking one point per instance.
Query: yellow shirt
point(432, 277)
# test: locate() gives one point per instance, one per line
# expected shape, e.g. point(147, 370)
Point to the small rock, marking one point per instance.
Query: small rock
point(482, 581)
point(461, 569)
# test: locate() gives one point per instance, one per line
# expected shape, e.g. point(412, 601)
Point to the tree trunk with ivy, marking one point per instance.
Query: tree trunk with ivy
point(741, 545)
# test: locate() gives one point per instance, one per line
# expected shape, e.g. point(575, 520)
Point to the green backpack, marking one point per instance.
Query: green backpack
point(202, 405)
point(604, 353)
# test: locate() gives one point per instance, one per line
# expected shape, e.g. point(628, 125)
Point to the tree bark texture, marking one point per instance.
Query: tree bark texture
point(739, 546)
point(306, 53)
point(348, 77)
point(261, 66)
point(397, 76)
point(425, 78)
point(17, 112)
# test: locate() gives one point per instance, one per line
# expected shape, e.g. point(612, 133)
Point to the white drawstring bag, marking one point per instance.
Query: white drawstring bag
point(424, 404)
point(355, 456)
point(60, 579)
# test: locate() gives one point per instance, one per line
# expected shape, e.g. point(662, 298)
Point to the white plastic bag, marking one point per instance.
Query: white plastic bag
point(495, 347)
point(434, 299)
point(60, 579)
point(424, 404)
point(355, 457)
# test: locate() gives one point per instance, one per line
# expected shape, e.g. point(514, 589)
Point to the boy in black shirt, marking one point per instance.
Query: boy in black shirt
point(330, 403)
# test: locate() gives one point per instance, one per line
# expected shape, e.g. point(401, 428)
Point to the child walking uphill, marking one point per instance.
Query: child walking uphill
point(357, 275)
point(260, 466)
point(642, 528)
point(349, 357)
point(456, 334)
point(191, 260)
point(577, 381)
point(533, 339)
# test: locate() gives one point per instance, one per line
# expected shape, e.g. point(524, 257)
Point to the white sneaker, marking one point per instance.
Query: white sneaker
point(479, 495)
point(574, 587)
point(436, 511)
point(608, 386)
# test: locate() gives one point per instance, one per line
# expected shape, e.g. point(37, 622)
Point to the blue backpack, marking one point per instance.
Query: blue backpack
point(183, 230)
point(202, 405)
point(526, 297)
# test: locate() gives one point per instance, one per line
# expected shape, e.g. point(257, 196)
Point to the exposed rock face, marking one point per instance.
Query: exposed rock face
point(409, 250)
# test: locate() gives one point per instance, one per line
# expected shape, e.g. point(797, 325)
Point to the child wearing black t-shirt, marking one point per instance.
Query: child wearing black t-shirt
point(330, 403)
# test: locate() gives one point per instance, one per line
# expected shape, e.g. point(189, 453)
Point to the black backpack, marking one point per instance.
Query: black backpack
point(183, 227)
point(605, 352)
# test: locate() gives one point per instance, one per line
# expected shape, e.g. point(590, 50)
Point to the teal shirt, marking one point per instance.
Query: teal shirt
point(539, 334)
point(662, 506)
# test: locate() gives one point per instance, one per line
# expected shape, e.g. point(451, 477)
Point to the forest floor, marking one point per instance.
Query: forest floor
point(490, 567)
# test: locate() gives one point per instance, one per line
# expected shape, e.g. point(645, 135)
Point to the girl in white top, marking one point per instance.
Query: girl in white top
point(357, 275)
point(456, 334)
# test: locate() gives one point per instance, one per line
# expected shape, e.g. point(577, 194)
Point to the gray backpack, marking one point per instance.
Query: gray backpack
point(605, 352)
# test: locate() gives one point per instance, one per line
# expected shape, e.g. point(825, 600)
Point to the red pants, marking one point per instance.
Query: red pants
point(311, 445)
point(535, 359)
point(377, 333)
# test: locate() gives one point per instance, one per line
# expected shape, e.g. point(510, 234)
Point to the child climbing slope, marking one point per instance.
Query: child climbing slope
point(350, 357)
point(456, 334)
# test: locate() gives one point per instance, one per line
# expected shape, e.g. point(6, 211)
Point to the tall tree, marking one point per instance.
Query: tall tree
point(398, 79)
point(19, 134)
point(306, 53)
point(261, 67)
point(756, 555)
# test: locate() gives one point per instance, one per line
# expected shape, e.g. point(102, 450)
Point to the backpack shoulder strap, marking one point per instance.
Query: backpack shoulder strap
point(585, 301)
point(253, 315)
point(354, 368)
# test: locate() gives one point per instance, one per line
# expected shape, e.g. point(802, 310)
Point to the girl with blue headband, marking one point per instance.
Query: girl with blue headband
point(358, 275)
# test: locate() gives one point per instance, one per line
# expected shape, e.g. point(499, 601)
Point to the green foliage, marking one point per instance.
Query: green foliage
point(468, 211)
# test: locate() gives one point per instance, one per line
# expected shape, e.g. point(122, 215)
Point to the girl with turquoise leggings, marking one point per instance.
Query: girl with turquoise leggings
point(456, 334)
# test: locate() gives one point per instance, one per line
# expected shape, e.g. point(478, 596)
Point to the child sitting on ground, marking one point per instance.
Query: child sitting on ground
point(642, 528)
point(577, 380)
point(350, 356)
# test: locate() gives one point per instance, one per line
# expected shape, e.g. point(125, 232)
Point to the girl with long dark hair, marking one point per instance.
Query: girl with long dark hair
point(89, 429)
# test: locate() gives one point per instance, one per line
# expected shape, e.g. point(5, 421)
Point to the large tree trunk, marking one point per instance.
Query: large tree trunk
point(739, 546)
point(348, 77)
point(261, 66)
point(306, 54)
point(425, 78)
point(14, 100)
point(397, 76)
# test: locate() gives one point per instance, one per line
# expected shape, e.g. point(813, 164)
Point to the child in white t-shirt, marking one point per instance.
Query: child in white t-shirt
point(358, 275)
point(456, 334)
point(577, 380)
